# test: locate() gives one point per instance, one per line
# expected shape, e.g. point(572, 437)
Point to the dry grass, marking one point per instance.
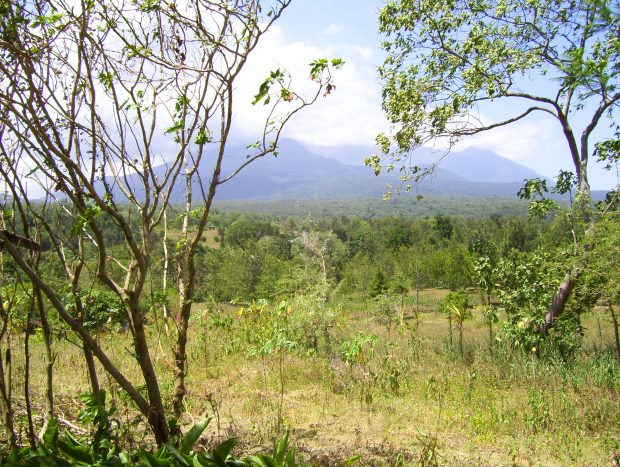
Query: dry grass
point(501, 409)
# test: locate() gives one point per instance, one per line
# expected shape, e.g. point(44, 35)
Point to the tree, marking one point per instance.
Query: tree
point(109, 108)
point(446, 59)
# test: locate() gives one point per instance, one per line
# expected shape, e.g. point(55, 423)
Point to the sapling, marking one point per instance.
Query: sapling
point(456, 306)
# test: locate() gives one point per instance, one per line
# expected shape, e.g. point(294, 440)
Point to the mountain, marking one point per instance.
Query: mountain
point(300, 173)
point(473, 164)
point(479, 165)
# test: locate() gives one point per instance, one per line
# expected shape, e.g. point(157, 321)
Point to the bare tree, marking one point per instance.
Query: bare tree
point(111, 107)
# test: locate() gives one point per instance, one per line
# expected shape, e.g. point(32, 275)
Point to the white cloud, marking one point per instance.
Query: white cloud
point(350, 115)
point(518, 141)
point(332, 30)
point(366, 53)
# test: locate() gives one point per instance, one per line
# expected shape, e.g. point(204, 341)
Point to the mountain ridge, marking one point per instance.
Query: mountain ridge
point(300, 173)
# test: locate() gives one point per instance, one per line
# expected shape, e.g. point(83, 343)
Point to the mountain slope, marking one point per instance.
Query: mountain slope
point(473, 164)
point(298, 173)
point(479, 165)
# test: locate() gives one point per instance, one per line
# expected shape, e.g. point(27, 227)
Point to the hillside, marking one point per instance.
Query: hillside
point(302, 174)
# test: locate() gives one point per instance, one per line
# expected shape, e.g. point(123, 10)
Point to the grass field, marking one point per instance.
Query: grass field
point(405, 399)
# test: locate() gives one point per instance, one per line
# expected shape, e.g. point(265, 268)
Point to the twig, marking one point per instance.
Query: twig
point(68, 424)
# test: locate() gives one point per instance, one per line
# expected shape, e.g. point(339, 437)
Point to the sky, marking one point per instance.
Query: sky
point(352, 115)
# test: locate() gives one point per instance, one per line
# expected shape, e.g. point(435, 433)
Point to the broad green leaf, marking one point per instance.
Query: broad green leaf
point(190, 438)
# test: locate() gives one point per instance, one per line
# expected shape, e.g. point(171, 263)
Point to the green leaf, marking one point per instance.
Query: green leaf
point(338, 63)
point(263, 90)
point(177, 126)
point(50, 437)
point(184, 460)
point(281, 449)
point(190, 438)
point(203, 137)
point(223, 449)
point(77, 452)
point(261, 461)
point(150, 460)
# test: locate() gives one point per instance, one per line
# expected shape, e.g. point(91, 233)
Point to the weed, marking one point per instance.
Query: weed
point(539, 416)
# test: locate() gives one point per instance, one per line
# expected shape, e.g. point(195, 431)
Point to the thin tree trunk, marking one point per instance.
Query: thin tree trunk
point(281, 374)
point(49, 358)
point(156, 415)
point(31, 435)
point(88, 354)
point(614, 319)
point(92, 370)
point(6, 409)
point(186, 277)
point(164, 280)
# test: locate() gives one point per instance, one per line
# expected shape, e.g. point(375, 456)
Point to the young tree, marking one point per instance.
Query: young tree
point(109, 107)
point(456, 306)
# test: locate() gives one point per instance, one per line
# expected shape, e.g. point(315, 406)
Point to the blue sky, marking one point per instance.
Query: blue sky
point(347, 29)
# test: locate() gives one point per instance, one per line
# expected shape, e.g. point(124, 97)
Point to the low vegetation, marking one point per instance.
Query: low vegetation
point(392, 341)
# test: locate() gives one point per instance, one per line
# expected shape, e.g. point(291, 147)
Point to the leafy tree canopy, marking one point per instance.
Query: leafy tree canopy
point(446, 58)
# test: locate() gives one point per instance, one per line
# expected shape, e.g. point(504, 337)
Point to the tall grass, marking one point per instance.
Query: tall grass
point(420, 399)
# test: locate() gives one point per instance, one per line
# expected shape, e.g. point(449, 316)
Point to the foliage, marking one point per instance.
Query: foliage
point(243, 231)
point(385, 311)
point(456, 306)
point(101, 307)
point(378, 285)
point(359, 349)
point(102, 447)
point(526, 285)
point(445, 60)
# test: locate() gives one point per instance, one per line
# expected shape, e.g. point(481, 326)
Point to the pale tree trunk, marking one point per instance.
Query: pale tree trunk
point(562, 294)
point(185, 276)
point(81, 313)
point(156, 415)
point(31, 434)
point(559, 301)
point(49, 356)
point(164, 279)
point(6, 406)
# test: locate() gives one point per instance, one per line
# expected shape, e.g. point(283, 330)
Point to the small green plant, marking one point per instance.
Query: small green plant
point(456, 306)
point(283, 455)
point(100, 447)
point(539, 417)
point(385, 311)
point(428, 451)
point(359, 350)
point(278, 343)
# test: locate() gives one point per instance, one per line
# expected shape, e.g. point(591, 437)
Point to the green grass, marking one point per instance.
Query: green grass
point(502, 408)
